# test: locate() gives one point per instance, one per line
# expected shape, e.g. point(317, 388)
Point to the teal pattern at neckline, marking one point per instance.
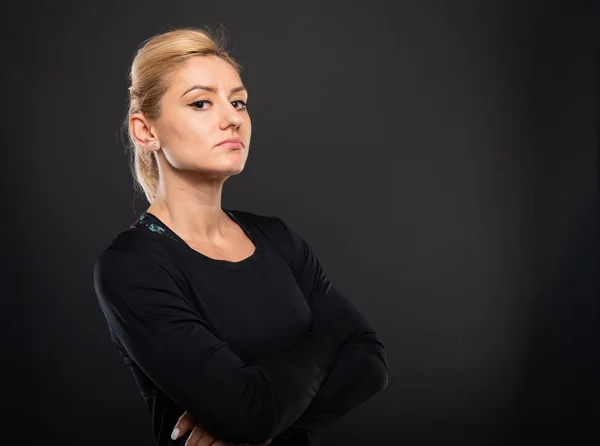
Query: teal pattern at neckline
point(150, 223)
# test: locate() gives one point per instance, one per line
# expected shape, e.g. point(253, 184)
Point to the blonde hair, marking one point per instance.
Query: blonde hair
point(152, 66)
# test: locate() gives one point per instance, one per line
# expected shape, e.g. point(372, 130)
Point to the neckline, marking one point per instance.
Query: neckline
point(158, 226)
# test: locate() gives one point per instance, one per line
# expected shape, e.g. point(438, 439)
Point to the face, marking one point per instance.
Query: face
point(203, 106)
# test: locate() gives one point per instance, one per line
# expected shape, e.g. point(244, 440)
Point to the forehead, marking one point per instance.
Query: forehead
point(205, 70)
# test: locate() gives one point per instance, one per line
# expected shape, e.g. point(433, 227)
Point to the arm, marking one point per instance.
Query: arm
point(167, 338)
point(361, 369)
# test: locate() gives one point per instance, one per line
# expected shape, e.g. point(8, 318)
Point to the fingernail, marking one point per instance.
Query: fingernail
point(175, 434)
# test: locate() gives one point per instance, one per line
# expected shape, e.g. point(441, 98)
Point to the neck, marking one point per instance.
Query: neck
point(194, 213)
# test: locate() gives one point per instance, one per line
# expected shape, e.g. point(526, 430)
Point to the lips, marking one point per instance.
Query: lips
point(231, 140)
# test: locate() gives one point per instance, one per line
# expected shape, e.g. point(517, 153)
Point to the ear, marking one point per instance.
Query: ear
point(141, 130)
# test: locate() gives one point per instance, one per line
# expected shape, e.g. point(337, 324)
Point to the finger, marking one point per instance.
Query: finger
point(195, 436)
point(184, 424)
point(207, 439)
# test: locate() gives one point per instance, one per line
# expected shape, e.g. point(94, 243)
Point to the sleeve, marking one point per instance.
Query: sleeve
point(361, 369)
point(171, 343)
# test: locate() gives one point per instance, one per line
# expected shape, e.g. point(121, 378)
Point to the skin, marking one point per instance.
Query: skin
point(203, 438)
point(192, 169)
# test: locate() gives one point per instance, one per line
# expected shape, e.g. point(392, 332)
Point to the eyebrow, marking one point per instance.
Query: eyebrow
point(213, 89)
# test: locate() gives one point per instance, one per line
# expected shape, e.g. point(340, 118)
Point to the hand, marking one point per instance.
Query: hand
point(200, 437)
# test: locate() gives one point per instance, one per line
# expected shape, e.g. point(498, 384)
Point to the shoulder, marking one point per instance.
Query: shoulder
point(133, 248)
point(289, 242)
point(119, 270)
point(253, 217)
point(273, 227)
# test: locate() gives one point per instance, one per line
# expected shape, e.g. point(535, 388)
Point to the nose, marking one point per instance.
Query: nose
point(230, 116)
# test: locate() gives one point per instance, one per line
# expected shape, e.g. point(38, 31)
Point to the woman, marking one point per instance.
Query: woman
point(231, 329)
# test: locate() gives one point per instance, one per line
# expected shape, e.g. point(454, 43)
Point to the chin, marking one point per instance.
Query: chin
point(233, 169)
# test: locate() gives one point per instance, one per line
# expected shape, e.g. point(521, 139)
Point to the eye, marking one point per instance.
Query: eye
point(197, 107)
point(244, 105)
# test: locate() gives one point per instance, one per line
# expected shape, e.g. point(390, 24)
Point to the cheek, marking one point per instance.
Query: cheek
point(248, 127)
point(189, 134)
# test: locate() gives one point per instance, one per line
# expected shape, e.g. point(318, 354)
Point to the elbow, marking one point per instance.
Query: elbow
point(378, 371)
point(382, 376)
point(369, 376)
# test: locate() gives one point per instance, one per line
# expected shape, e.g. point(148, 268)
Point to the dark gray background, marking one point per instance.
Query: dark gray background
point(441, 158)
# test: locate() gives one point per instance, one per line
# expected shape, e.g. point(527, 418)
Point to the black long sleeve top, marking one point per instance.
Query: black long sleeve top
point(262, 348)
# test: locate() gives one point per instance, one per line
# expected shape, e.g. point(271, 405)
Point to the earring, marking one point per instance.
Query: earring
point(154, 146)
